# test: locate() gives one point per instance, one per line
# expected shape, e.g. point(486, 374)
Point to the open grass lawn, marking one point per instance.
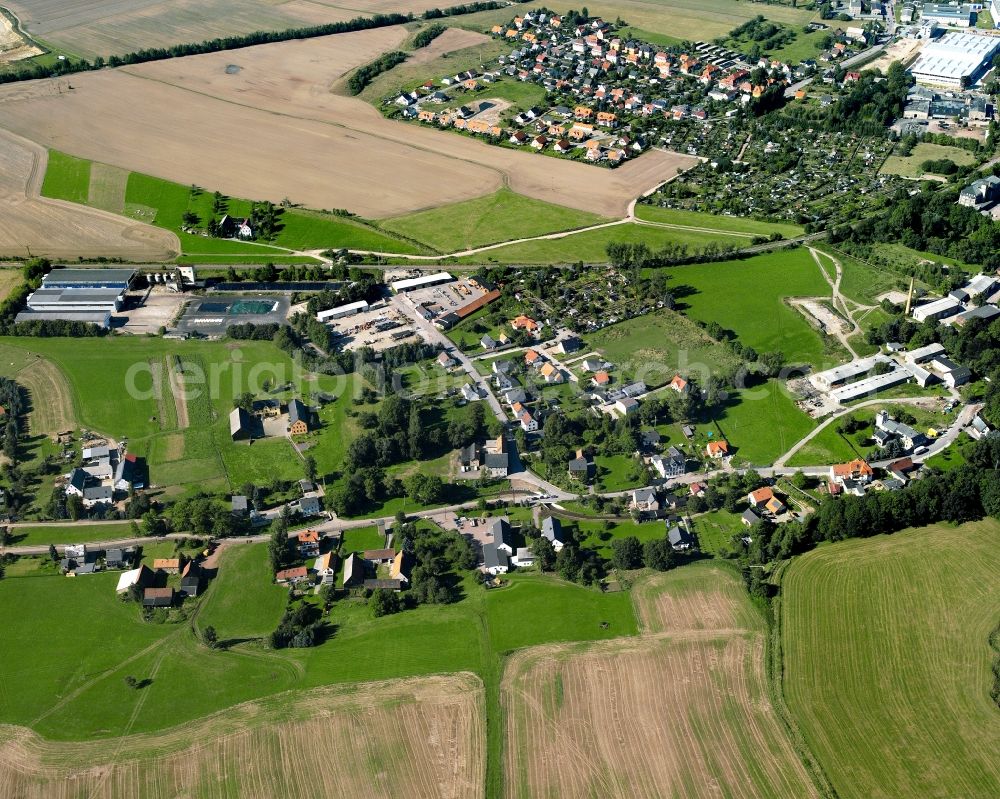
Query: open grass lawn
point(832, 446)
point(71, 686)
point(804, 46)
point(41, 535)
point(360, 539)
point(496, 217)
point(950, 458)
point(864, 282)
point(618, 472)
point(9, 280)
point(715, 531)
point(762, 422)
point(571, 613)
point(734, 224)
point(594, 534)
point(657, 345)
point(243, 602)
point(66, 178)
point(887, 663)
point(591, 246)
point(910, 166)
point(747, 298)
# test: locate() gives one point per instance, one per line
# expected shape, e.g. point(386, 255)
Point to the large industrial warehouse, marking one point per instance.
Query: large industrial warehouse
point(956, 60)
point(78, 295)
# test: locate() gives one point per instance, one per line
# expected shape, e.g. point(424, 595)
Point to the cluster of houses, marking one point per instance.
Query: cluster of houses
point(492, 460)
point(152, 582)
point(763, 503)
point(105, 473)
point(607, 81)
point(362, 570)
point(501, 553)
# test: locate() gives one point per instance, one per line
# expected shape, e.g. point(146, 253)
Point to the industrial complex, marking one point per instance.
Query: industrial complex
point(956, 60)
point(79, 295)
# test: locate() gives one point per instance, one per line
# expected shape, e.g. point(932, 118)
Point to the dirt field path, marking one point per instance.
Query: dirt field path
point(178, 391)
point(31, 224)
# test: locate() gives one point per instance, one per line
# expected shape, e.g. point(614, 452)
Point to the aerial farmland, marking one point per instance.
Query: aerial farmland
point(491, 400)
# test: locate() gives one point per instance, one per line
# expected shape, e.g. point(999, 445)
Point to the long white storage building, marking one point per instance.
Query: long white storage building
point(420, 282)
point(342, 310)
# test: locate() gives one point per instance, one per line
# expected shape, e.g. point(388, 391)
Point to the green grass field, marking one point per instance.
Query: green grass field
point(762, 422)
point(100, 372)
point(163, 203)
point(243, 603)
point(516, 617)
point(747, 298)
point(486, 220)
point(715, 531)
point(887, 661)
point(653, 347)
point(909, 166)
point(734, 224)
point(66, 178)
point(42, 535)
point(71, 686)
point(591, 246)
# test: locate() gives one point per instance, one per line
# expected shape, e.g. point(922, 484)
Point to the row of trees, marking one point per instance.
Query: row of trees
point(964, 494)
point(364, 75)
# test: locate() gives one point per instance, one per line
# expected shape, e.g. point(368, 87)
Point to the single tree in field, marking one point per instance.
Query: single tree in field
point(310, 468)
point(53, 555)
point(190, 218)
point(131, 681)
point(210, 637)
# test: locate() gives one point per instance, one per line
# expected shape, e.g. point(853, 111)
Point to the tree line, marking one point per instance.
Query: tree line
point(36, 70)
point(365, 74)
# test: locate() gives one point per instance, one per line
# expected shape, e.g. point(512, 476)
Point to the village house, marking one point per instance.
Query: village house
point(644, 500)
point(355, 570)
point(759, 498)
point(553, 533)
point(308, 543)
point(299, 574)
point(192, 579)
point(158, 598)
point(580, 467)
point(717, 449)
point(168, 565)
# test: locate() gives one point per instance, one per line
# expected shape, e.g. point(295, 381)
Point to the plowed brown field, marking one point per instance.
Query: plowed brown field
point(273, 129)
point(680, 713)
point(40, 226)
point(421, 738)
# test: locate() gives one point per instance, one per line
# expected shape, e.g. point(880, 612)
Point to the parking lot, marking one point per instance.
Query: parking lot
point(380, 327)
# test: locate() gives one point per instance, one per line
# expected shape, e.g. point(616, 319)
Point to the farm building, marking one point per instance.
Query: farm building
point(343, 310)
point(158, 598)
point(298, 418)
point(192, 579)
point(553, 532)
point(140, 577)
point(291, 576)
point(355, 568)
point(240, 425)
point(422, 282)
point(78, 295)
